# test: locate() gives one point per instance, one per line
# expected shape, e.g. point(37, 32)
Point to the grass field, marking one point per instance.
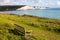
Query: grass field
point(42, 28)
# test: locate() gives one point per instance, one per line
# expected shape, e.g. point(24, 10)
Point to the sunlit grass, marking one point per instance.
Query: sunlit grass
point(42, 28)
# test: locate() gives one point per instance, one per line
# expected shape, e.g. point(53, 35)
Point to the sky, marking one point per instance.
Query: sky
point(43, 3)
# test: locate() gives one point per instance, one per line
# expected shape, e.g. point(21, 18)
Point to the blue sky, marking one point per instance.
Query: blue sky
point(48, 3)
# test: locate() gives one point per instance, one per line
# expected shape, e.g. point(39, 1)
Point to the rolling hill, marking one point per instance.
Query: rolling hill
point(42, 28)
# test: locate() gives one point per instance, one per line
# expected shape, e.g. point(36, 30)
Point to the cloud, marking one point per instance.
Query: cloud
point(58, 3)
point(7, 1)
point(34, 2)
point(39, 0)
point(29, 2)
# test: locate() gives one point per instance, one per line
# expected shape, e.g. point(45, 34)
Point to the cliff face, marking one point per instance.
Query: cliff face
point(10, 7)
point(26, 8)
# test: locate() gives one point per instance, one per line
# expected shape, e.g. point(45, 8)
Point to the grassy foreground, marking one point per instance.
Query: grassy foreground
point(42, 28)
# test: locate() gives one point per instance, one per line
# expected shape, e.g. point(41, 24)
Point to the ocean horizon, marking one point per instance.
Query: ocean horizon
point(47, 13)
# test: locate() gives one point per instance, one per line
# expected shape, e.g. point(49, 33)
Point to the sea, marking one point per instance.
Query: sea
point(47, 13)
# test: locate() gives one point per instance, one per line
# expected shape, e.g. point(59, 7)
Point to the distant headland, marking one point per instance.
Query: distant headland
point(10, 7)
point(19, 7)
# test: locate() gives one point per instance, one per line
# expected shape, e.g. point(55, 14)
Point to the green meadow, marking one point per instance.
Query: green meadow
point(42, 28)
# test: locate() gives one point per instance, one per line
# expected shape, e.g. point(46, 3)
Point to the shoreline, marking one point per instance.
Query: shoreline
point(29, 16)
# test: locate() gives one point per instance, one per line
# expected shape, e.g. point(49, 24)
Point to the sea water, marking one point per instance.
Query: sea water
point(55, 14)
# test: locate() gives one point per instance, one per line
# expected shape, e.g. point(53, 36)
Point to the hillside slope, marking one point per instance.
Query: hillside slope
point(42, 28)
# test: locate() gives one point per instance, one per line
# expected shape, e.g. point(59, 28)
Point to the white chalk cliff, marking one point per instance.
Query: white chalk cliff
point(26, 8)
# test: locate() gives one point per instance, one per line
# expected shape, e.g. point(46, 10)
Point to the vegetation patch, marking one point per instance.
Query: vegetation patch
point(42, 28)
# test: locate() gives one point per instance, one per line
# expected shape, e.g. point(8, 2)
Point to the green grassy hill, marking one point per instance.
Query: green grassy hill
point(42, 28)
